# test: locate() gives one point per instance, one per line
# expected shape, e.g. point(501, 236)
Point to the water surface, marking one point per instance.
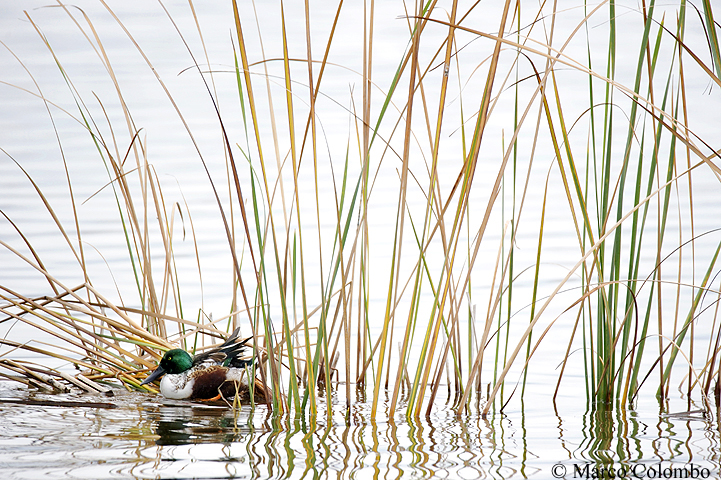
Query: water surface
point(147, 437)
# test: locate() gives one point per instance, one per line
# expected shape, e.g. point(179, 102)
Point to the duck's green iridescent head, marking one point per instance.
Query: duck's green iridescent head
point(173, 362)
point(176, 361)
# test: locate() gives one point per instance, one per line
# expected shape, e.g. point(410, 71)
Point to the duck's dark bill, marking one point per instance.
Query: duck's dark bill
point(157, 373)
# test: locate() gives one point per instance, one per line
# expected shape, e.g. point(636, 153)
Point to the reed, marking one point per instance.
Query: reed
point(418, 245)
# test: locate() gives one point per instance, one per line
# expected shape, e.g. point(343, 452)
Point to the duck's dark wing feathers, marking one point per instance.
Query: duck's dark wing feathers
point(229, 350)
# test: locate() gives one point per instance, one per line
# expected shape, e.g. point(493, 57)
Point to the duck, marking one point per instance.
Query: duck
point(214, 375)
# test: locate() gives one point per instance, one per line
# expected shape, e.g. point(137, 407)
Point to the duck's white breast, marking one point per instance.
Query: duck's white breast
point(177, 387)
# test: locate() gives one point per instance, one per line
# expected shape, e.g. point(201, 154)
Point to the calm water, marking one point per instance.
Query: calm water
point(145, 437)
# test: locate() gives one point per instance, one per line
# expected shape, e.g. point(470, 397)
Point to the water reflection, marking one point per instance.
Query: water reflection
point(146, 437)
point(622, 441)
point(351, 446)
point(187, 426)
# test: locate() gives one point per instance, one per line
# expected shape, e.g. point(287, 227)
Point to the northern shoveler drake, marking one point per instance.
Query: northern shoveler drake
point(212, 375)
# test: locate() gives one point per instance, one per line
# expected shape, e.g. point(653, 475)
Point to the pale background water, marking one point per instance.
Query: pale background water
point(145, 438)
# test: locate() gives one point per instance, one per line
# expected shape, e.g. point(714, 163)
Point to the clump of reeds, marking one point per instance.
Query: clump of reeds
point(612, 142)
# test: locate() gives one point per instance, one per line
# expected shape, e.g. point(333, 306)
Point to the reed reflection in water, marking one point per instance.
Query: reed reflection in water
point(148, 437)
point(349, 446)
